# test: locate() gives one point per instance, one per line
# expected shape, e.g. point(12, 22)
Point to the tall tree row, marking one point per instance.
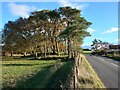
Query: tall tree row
point(46, 32)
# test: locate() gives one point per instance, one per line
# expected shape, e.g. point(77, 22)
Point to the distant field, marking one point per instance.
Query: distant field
point(87, 52)
point(34, 73)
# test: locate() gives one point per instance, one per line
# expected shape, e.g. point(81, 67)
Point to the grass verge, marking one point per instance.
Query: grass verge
point(112, 56)
point(88, 77)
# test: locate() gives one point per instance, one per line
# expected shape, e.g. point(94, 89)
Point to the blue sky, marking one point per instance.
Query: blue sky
point(103, 15)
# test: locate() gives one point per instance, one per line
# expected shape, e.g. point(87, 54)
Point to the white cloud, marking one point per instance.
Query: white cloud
point(118, 40)
point(88, 37)
point(20, 10)
point(113, 29)
point(86, 45)
point(91, 30)
point(73, 5)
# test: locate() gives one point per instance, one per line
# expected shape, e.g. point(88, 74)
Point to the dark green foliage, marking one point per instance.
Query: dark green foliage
point(45, 31)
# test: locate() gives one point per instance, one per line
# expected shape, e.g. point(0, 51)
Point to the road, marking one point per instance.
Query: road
point(107, 69)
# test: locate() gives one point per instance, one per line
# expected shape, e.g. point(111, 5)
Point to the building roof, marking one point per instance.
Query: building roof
point(1, 45)
point(114, 46)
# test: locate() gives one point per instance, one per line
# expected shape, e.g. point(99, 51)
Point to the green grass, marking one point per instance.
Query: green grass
point(15, 70)
point(61, 75)
point(112, 56)
point(23, 73)
point(88, 77)
point(87, 52)
point(49, 73)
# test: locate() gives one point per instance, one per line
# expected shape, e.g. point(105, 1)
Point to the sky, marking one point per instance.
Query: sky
point(103, 15)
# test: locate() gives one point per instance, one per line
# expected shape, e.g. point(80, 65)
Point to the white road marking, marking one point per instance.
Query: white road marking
point(104, 60)
point(101, 59)
point(114, 64)
point(111, 63)
point(108, 59)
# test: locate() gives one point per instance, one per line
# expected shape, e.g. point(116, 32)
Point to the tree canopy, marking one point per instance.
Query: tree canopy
point(46, 31)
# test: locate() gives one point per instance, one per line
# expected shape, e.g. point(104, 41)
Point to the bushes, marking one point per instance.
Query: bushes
point(99, 52)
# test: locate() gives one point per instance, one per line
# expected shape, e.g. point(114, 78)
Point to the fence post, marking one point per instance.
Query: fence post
point(77, 72)
point(81, 59)
point(74, 77)
point(78, 61)
point(74, 82)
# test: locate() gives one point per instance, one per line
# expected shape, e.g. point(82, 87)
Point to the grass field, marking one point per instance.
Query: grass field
point(25, 73)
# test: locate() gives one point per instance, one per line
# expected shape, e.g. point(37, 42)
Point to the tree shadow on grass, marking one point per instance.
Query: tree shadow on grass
point(49, 77)
point(38, 80)
point(60, 76)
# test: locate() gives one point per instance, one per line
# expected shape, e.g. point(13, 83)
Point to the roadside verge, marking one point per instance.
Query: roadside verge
point(88, 78)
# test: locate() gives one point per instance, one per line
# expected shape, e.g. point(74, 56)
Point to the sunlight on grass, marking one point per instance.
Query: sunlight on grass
point(22, 73)
point(87, 52)
point(16, 69)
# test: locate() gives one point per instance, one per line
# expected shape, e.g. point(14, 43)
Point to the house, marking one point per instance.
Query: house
point(1, 49)
point(114, 48)
point(100, 46)
point(1, 45)
point(110, 48)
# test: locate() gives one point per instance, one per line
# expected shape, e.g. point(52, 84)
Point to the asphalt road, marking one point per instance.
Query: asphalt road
point(107, 70)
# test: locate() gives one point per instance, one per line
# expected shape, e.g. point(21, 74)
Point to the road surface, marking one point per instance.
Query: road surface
point(107, 70)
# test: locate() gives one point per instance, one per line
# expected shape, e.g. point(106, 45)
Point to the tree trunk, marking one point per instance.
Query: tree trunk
point(36, 54)
point(48, 49)
point(69, 48)
point(54, 39)
point(25, 53)
point(11, 53)
point(57, 48)
point(65, 46)
point(69, 45)
point(44, 49)
point(53, 50)
point(73, 54)
point(53, 46)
